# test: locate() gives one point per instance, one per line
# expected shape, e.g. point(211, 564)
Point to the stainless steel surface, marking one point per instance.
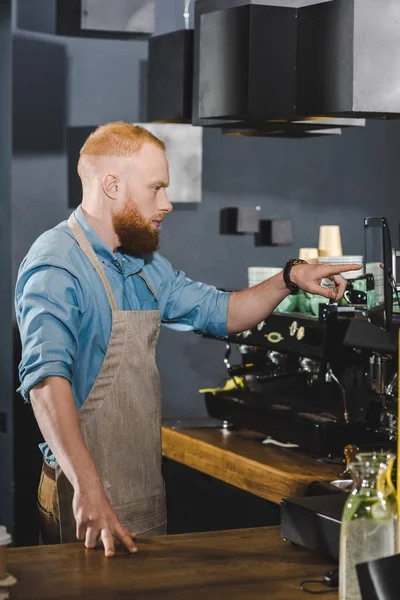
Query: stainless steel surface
point(310, 366)
point(392, 390)
point(342, 484)
point(378, 373)
point(277, 358)
point(390, 404)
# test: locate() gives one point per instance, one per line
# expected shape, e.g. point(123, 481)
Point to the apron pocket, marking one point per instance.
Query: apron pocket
point(144, 515)
point(49, 527)
point(47, 496)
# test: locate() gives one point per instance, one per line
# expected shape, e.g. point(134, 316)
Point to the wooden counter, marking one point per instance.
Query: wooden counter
point(247, 563)
point(239, 458)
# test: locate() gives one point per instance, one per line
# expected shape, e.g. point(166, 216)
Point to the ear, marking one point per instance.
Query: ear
point(111, 186)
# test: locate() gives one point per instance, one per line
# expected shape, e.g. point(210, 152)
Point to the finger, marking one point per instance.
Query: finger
point(108, 542)
point(92, 535)
point(132, 534)
point(341, 285)
point(80, 532)
point(328, 270)
point(125, 538)
point(322, 291)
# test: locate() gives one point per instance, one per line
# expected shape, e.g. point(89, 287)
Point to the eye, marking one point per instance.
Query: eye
point(157, 188)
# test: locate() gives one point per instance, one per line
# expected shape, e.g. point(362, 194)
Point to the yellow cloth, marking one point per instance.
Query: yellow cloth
point(229, 385)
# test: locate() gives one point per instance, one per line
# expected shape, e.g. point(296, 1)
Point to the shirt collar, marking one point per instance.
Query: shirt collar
point(132, 265)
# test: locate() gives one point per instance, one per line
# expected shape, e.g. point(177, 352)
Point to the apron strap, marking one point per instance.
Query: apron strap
point(86, 247)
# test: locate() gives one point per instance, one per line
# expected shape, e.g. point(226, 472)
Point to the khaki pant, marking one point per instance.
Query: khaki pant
point(49, 514)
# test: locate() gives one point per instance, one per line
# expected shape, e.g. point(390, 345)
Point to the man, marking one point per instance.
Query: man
point(90, 296)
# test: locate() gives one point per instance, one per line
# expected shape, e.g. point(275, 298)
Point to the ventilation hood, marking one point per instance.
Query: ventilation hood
point(170, 77)
point(291, 131)
point(256, 61)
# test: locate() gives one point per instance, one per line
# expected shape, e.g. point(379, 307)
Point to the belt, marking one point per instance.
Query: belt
point(49, 470)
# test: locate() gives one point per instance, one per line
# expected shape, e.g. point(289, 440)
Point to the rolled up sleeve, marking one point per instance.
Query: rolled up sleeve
point(196, 306)
point(49, 316)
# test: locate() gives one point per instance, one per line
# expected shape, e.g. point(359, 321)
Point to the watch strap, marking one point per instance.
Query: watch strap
point(292, 287)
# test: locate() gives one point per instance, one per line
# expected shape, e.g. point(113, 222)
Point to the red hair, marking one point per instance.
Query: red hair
point(118, 139)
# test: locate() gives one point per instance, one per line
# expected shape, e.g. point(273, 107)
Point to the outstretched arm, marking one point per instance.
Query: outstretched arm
point(249, 307)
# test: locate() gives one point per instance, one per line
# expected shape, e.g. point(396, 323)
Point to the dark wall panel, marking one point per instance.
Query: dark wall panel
point(6, 510)
point(39, 95)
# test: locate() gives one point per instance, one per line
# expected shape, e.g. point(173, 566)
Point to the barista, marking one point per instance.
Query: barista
point(90, 297)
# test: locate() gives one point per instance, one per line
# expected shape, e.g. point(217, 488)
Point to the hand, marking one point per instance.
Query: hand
point(96, 517)
point(309, 277)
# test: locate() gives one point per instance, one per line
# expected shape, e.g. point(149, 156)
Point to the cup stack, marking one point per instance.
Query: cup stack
point(257, 275)
point(343, 260)
point(330, 242)
point(5, 541)
point(309, 254)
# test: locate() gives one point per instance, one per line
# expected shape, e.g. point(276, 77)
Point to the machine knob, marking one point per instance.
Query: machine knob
point(301, 333)
point(260, 325)
point(293, 328)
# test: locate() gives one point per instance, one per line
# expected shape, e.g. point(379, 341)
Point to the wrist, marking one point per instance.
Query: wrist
point(282, 287)
point(85, 481)
point(87, 487)
point(288, 278)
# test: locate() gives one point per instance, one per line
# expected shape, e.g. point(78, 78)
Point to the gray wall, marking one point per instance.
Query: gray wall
point(313, 182)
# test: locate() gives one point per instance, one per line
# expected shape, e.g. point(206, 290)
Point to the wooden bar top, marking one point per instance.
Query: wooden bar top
point(240, 459)
point(247, 563)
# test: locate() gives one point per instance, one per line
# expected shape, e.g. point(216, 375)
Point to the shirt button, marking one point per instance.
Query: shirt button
point(117, 264)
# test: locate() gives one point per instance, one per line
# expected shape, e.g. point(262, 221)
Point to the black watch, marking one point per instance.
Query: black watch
point(286, 274)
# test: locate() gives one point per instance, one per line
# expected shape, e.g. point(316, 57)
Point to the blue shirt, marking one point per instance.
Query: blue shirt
point(64, 316)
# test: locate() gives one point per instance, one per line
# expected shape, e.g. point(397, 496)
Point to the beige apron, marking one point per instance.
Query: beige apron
point(121, 418)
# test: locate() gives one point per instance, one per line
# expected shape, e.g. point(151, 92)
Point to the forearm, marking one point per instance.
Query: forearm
point(249, 307)
point(54, 407)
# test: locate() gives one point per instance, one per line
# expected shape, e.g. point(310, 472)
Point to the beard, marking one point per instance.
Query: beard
point(136, 234)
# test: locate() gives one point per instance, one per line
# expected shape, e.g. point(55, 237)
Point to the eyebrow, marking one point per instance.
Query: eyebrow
point(160, 183)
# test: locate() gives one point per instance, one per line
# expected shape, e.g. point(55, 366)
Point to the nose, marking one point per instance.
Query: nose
point(164, 205)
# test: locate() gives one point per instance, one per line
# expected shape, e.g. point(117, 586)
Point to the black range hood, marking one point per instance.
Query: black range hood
point(355, 66)
point(257, 61)
point(292, 133)
point(170, 77)
point(245, 65)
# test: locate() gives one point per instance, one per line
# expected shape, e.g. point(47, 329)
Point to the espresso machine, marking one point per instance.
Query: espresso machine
point(319, 383)
point(300, 384)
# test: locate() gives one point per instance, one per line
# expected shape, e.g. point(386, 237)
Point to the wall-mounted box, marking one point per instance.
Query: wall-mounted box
point(106, 19)
point(238, 221)
point(276, 232)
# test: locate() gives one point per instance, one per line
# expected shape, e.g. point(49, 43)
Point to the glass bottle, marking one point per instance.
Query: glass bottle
point(369, 522)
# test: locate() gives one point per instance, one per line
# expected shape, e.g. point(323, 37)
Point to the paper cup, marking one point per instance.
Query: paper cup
point(309, 254)
point(5, 540)
point(330, 242)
